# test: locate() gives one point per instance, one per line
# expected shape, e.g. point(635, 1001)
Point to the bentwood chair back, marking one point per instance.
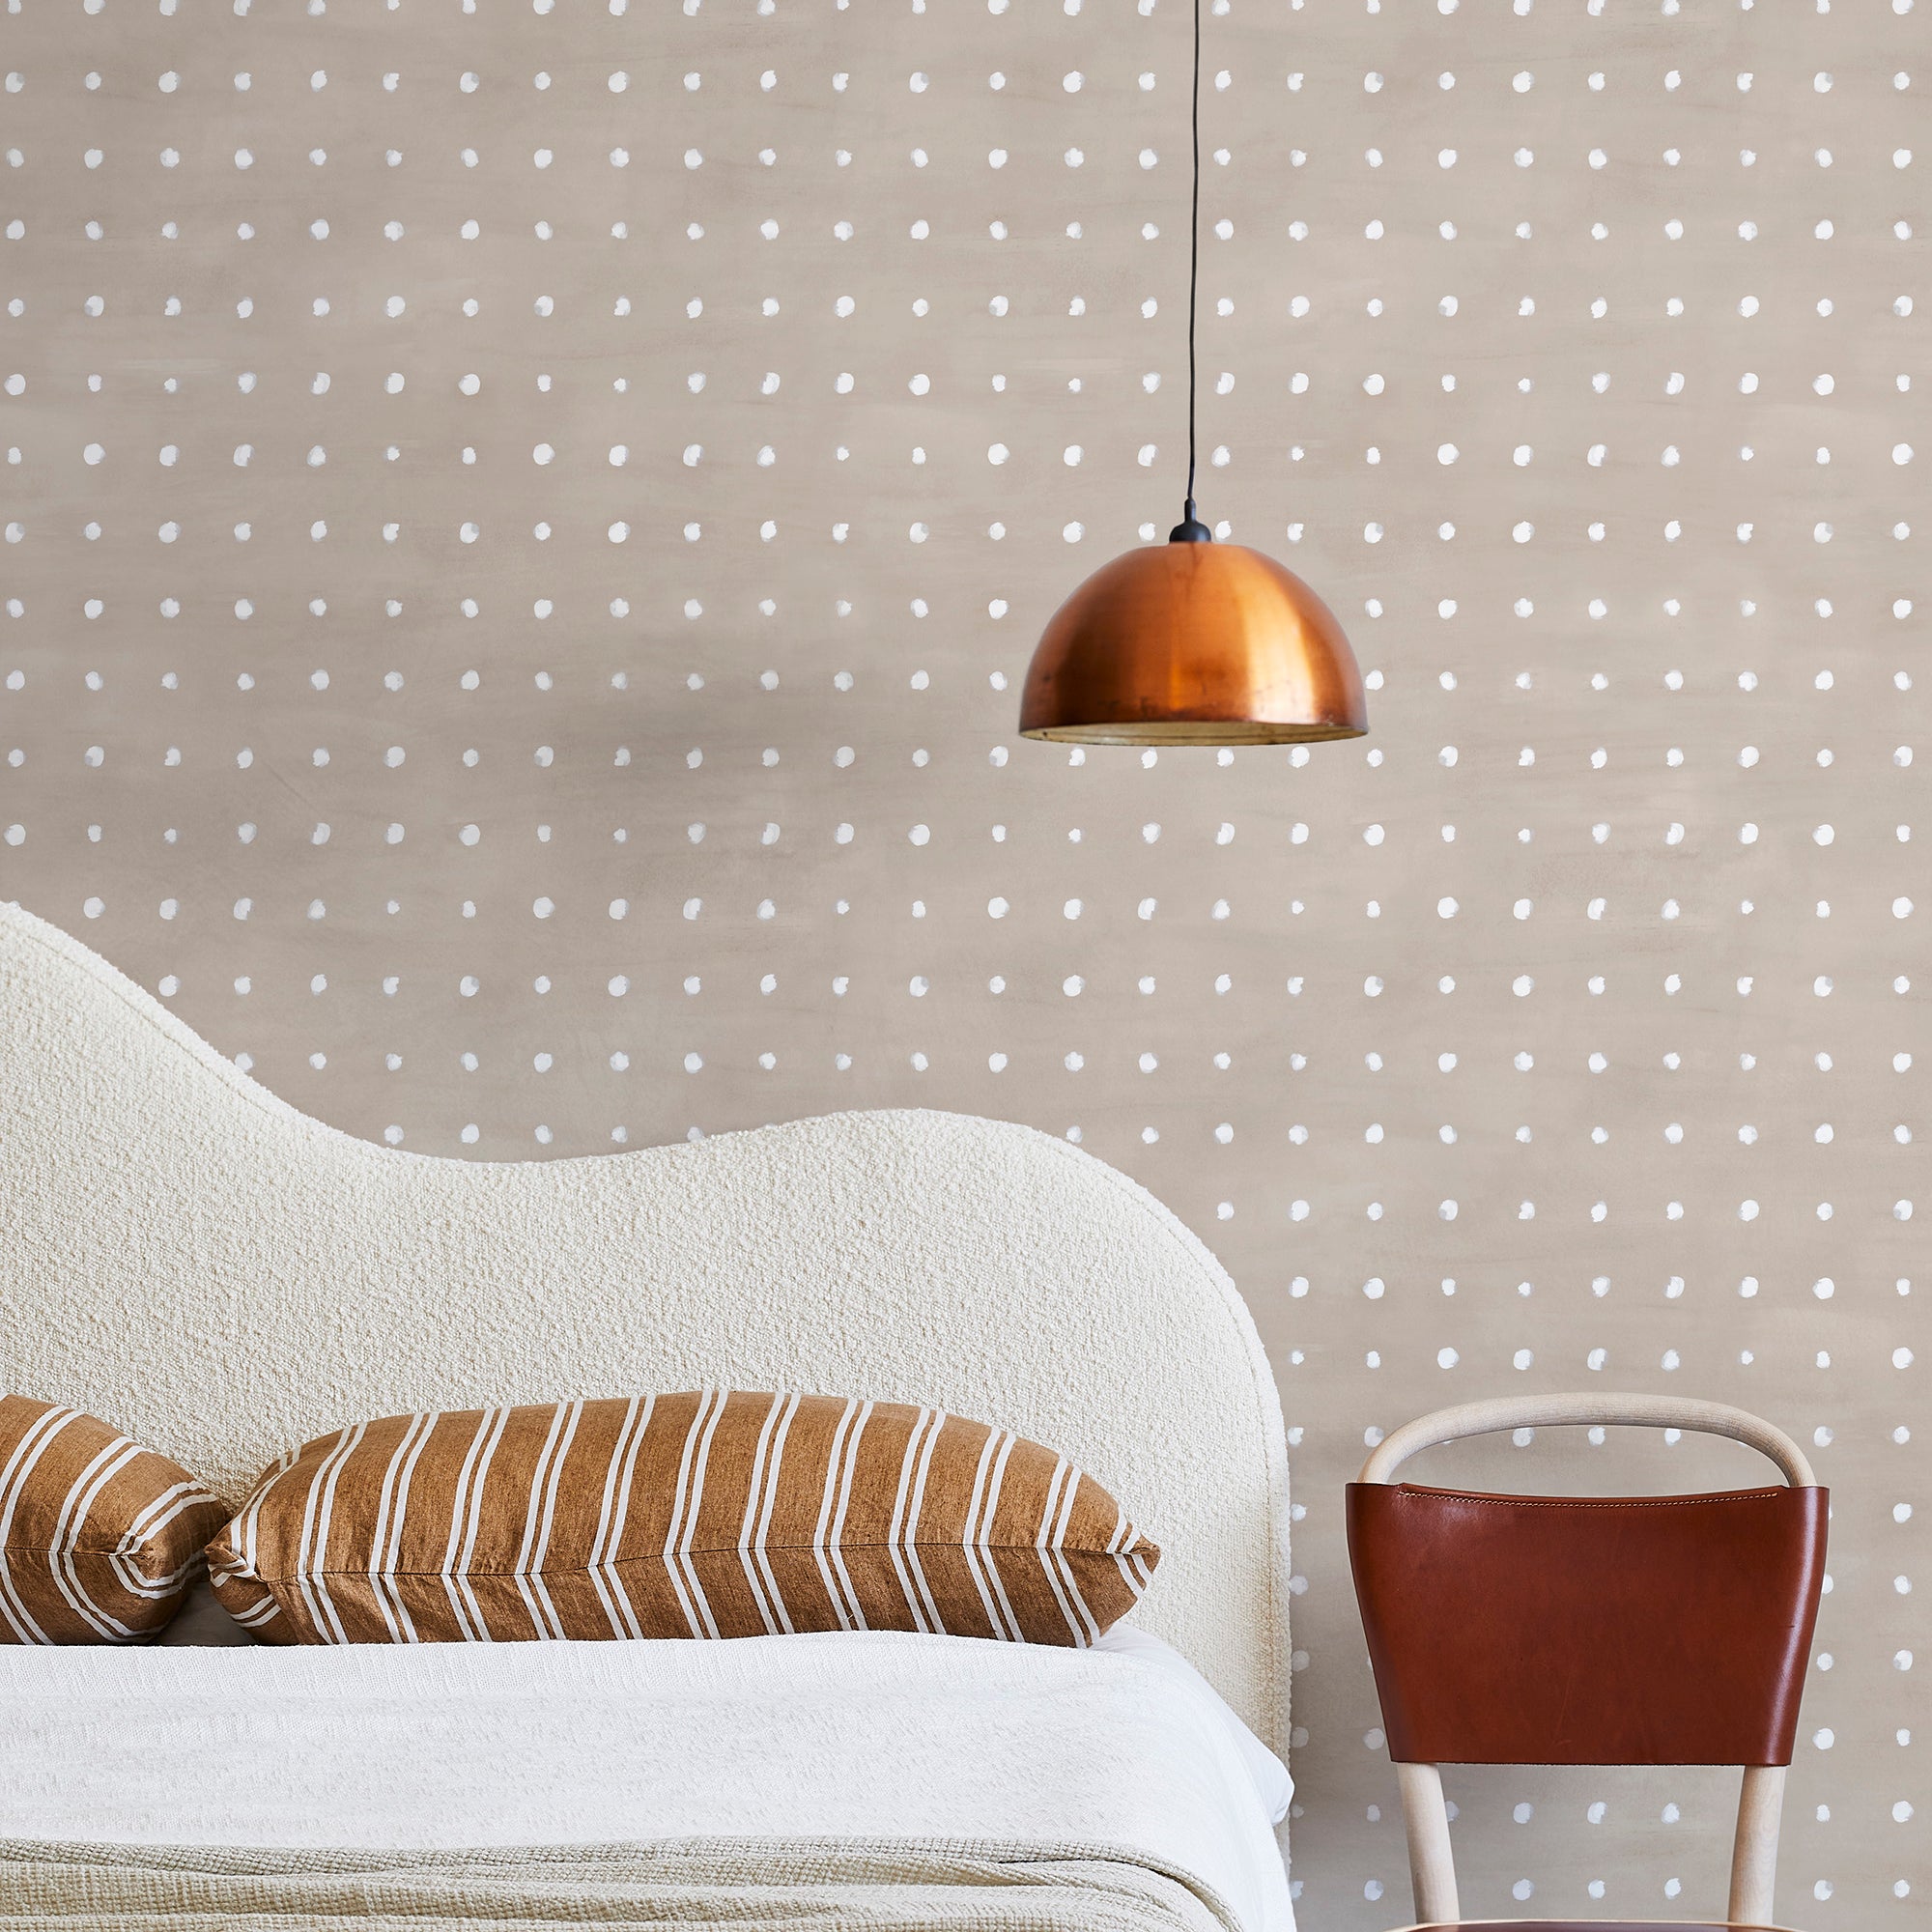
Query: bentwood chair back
point(1588, 1630)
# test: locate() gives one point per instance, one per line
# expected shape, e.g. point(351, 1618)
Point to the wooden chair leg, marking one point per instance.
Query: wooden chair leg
point(1431, 1865)
point(1754, 1852)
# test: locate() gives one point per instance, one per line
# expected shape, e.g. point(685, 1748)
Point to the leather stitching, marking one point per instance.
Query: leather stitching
point(1592, 1502)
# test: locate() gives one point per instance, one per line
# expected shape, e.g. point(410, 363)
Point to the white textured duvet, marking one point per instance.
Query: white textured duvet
point(862, 1736)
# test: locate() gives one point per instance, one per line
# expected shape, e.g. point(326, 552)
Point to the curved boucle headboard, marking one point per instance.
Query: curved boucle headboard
point(222, 1277)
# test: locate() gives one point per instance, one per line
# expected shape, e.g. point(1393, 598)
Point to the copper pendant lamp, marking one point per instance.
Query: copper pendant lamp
point(1191, 642)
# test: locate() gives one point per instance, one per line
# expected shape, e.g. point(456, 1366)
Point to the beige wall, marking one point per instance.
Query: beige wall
point(1619, 889)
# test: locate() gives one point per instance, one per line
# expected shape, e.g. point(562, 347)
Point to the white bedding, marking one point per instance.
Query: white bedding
point(865, 1736)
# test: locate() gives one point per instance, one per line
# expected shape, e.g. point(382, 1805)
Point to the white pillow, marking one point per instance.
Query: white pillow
point(1273, 1783)
point(201, 1623)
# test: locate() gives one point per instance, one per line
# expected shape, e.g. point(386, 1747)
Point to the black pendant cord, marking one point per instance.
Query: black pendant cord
point(1190, 529)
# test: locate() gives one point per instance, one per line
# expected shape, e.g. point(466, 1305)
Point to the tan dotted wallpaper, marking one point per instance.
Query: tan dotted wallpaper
point(524, 525)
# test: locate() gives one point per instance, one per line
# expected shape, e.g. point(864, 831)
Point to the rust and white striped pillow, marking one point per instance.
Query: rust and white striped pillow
point(703, 1514)
point(99, 1539)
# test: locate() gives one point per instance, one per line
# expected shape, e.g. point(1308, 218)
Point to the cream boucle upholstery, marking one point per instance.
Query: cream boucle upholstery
point(188, 1257)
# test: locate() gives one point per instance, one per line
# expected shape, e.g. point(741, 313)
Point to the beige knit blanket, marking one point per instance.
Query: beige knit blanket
point(750, 1886)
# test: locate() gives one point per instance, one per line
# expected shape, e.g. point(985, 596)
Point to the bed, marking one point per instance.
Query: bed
point(224, 1277)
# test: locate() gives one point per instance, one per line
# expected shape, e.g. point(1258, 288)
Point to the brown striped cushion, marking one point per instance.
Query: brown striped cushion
point(705, 1514)
point(99, 1540)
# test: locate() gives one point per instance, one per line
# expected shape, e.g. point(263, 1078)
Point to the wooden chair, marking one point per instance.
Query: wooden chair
point(1588, 1630)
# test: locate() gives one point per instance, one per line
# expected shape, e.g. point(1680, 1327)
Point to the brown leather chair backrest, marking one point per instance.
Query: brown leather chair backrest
point(1587, 1630)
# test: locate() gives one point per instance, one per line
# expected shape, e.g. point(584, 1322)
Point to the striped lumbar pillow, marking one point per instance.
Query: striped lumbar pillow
point(698, 1515)
point(99, 1540)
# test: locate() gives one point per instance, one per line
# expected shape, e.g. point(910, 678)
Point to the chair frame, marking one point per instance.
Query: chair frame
point(1431, 1865)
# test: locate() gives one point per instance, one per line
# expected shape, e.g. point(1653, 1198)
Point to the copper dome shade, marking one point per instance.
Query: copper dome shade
point(1193, 642)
